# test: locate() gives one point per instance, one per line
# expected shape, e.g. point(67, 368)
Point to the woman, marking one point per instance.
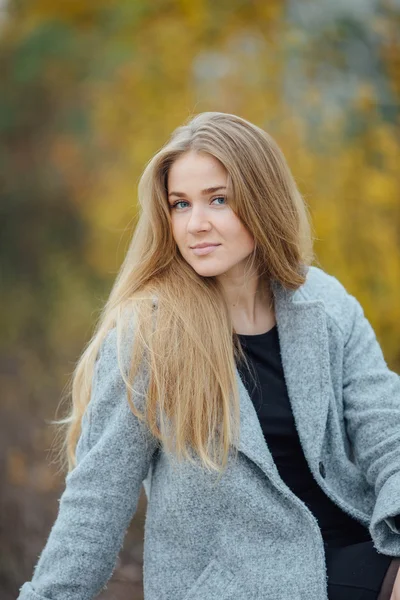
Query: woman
point(245, 389)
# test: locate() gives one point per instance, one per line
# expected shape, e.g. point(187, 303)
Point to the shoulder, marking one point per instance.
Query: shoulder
point(340, 306)
point(321, 285)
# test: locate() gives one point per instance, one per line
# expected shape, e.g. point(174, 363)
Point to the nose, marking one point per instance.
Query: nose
point(198, 220)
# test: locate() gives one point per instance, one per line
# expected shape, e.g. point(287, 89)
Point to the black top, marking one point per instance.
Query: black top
point(271, 401)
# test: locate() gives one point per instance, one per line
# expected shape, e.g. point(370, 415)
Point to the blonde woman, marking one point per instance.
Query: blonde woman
point(242, 386)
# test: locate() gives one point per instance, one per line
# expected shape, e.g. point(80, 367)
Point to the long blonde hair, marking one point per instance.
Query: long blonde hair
point(192, 402)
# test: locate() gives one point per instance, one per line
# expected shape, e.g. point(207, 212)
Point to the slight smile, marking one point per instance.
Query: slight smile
point(205, 250)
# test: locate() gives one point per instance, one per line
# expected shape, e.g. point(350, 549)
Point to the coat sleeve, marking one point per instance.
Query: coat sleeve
point(114, 453)
point(371, 396)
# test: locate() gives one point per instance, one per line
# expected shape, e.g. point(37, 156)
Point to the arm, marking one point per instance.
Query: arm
point(371, 396)
point(101, 494)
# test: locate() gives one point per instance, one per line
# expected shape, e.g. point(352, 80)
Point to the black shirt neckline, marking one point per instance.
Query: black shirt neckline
point(257, 336)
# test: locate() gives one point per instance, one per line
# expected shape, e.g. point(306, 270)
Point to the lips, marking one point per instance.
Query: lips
point(205, 250)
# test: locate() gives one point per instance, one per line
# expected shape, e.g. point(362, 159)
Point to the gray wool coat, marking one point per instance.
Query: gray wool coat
point(246, 537)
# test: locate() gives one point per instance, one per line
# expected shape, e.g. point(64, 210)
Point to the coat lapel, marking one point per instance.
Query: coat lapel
point(304, 344)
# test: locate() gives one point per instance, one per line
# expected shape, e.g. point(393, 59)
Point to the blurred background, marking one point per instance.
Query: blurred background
point(89, 91)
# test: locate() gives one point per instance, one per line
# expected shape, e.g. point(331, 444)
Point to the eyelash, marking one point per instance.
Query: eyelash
point(180, 201)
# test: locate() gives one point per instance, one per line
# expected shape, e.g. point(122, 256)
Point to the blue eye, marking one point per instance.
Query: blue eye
point(184, 201)
point(176, 203)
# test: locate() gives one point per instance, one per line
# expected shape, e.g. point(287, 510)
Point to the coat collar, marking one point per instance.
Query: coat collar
point(304, 345)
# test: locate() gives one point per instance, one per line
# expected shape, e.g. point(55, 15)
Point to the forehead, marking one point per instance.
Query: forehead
point(194, 168)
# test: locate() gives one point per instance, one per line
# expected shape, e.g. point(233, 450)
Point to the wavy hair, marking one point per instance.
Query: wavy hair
point(192, 398)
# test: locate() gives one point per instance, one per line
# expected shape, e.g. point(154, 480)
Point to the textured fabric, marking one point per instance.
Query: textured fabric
point(245, 535)
point(265, 382)
point(355, 571)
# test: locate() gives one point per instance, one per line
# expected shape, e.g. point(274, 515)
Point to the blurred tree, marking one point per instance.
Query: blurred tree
point(89, 91)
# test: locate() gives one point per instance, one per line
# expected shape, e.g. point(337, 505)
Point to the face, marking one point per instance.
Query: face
point(200, 212)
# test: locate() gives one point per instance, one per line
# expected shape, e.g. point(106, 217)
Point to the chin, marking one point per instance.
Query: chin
point(208, 271)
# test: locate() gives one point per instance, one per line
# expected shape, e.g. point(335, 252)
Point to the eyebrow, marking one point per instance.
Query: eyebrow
point(210, 190)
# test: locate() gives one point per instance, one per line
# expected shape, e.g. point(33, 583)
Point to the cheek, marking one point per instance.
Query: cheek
point(240, 232)
point(175, 230)
point(245, 243)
